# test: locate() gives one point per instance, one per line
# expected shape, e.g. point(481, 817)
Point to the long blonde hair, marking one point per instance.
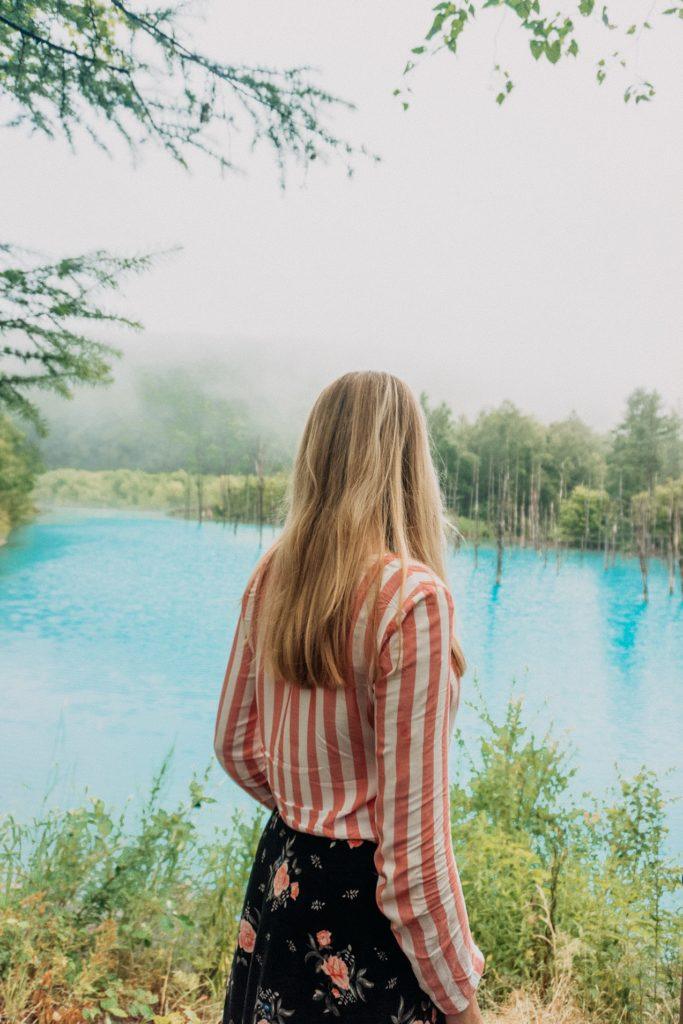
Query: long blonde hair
point(363, 484)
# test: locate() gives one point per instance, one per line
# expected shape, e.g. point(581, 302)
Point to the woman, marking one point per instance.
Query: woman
point(336, 712)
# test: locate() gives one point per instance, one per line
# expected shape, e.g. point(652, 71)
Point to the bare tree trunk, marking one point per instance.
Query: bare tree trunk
point(489, 497)
point(500, 527)
point(200, 497)
point(678, 554)
point(670, 558)
point(476, 516)
point(619, 520)
point(454, 498)
point(188, 497)
point(552, 529)
point(640, 524)
point(515, 508)
point(522, 526)
point(534, 509)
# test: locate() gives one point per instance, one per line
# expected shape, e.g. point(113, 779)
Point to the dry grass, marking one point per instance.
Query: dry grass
point(526, 1008)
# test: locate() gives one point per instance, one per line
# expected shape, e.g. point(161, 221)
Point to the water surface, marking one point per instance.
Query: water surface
point(115, 630)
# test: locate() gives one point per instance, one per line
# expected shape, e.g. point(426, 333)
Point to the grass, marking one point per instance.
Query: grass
point(132, 917)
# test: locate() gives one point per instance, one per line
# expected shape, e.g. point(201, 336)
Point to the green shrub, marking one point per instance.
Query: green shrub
point(109, 917)
point(19, 464)
point(554, 888)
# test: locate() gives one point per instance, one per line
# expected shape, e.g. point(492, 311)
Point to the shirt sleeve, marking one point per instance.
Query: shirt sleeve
point(418, 887)
point(237, 740)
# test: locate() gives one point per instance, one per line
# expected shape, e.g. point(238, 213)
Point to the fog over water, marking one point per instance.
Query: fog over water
point(529, 252)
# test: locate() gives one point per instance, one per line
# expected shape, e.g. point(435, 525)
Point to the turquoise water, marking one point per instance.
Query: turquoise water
point(115, 631)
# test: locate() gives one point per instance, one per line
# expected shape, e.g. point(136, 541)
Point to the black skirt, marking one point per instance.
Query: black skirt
point(313, 945)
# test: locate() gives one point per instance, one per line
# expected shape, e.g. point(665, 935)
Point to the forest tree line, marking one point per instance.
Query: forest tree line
point(506, 477)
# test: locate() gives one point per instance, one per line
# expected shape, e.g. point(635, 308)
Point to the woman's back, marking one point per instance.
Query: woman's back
point(316, 746)
point(368, 760)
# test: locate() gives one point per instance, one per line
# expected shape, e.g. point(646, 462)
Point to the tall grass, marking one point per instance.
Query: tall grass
point(107, 917)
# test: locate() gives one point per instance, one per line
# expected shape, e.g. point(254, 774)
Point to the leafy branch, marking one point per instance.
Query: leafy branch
point(42, 308)
point(96, 63)
point(551, 38)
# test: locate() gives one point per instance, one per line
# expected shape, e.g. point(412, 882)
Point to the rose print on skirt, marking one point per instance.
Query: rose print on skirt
point(312, 944)
point(344, 983)
point(246, 935)
point(283, 885)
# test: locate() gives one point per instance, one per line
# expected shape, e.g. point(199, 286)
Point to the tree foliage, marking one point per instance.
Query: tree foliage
point(551, 36)
point(582, 516)
point(107, 63)
point(646, 445)
point(19, 463)
point(44, 311)
point(561, 481)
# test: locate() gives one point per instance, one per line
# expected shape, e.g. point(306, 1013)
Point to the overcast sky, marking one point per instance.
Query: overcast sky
point(529, 252)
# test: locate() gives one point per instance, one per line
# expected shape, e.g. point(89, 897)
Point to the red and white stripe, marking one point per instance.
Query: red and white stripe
point(369, 762)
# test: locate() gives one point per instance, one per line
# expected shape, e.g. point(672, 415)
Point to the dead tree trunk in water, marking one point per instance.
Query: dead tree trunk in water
point(678, 554)
point(489, 496)
point(673, 541)
point(515, 507)
point(605, 542)
point(586, 525)
point(551, 530)
point(534, 507)
point(226, 496)
point(522, 525)
point(476, 515)
point(619, 520)
point(500, 527)
point(640, 524)
point(188, 496)
point(200, 497)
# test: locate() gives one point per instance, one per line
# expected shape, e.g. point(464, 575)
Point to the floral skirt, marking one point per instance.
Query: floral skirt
point(313, 945)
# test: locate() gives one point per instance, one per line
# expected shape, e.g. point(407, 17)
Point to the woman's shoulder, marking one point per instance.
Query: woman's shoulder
point(416, 574)
point(404, 583)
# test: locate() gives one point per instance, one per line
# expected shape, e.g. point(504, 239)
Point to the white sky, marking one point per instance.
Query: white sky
point(530, 252)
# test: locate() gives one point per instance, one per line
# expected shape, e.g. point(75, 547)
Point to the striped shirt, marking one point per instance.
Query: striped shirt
point(369, 761)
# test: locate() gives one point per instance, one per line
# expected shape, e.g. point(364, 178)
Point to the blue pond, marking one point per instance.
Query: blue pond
point(115, 630)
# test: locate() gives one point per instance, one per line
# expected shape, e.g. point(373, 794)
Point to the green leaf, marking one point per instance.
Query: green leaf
point(554, 51)
point(112, 1007)
point(605, 19)
point(436, 25)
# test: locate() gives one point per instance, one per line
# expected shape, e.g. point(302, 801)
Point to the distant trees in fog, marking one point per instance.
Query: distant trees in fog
point(509, 478)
